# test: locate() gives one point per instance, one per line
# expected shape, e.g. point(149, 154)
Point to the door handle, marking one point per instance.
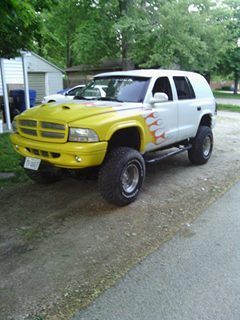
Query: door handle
point(199, 108)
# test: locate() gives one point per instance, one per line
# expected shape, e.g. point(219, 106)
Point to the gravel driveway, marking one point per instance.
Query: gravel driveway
point(61, 245)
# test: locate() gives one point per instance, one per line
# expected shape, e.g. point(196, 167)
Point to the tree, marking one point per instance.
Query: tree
point(230, 61)
point(154, 33)
point(18, 25)
point(55, 36)
point(188, 34)
point(78, 32)
point(95, 37)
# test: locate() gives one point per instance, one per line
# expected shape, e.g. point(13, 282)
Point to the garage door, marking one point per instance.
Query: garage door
point(36, 81)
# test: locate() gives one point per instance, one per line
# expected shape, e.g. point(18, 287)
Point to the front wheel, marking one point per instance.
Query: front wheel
point(202, 146)
point(121, 176)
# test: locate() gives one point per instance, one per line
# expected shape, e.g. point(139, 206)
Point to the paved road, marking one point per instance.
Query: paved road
point(228, 101)
point(196, 275)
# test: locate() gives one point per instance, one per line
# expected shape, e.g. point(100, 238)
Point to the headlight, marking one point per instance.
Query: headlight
point(14, 126)
point(82, 135)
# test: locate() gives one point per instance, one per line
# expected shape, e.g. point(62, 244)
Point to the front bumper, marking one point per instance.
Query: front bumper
point(71, 155)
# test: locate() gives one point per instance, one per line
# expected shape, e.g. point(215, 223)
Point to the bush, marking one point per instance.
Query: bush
point(227, 88)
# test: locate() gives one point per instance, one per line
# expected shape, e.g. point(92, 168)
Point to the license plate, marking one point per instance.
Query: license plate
point(32, 163)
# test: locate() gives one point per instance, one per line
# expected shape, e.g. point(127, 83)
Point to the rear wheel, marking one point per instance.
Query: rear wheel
point(202, 146)
point(121, 176)
point(45, 174)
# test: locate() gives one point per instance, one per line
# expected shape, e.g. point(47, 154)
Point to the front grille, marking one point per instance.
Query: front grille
point(29, 131)
point(56, 135)
point(28, 123)
point(42, 130)
point(50, 125)
point(43, 153)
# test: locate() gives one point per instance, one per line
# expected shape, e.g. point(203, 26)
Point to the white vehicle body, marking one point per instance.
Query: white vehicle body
point(68, 95)
point(189, 98)
point(71, 93)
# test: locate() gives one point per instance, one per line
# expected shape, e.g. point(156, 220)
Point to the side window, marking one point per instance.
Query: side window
point(184, 88)
point(163, 85)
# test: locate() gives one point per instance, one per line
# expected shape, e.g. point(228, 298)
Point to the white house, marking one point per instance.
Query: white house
point(43, 76)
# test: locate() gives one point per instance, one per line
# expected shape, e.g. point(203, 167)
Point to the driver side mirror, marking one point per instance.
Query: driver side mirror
point(159, 97)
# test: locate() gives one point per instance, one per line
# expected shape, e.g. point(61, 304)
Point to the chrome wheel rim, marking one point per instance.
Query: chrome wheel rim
point(207, 146)
point(130, 178)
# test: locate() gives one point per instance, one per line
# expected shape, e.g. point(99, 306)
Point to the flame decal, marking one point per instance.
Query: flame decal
point(155, 126)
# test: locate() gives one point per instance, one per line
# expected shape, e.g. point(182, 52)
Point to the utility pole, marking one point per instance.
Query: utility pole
point(25, 79)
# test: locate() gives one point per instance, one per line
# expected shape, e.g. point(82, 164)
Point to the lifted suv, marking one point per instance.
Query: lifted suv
point(143, 111)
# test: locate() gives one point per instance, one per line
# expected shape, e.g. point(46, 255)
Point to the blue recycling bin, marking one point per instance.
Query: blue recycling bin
point(19, 99)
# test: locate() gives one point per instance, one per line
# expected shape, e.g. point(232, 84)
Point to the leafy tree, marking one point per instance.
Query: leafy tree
point(95, 37)
point(154, 33)
point(230, 62)
point(189, 34)
point(18, 24)
point(58, 26)
point(78, 32)
point(86, 31)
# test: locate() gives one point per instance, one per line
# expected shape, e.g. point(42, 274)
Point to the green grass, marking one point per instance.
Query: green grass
point(226, 95)
point(228, 107)
point(10, 162)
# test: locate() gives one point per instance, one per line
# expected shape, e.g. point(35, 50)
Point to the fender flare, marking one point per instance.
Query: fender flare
point(125, 125)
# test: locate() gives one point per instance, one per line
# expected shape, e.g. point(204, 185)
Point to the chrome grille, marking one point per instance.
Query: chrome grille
point(42, 130)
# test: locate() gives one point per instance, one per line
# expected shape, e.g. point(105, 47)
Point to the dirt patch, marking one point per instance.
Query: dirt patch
point(61, 245)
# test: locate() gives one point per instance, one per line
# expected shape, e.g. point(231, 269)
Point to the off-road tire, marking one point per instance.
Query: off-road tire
point(45, 174)
point(199, 154)
point(120, 164)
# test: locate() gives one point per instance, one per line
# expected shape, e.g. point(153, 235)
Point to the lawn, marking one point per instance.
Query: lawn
point(228, 107)
point(226, 95)
point(10, 162)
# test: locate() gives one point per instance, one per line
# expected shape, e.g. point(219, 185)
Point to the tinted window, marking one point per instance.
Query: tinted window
point(163, 85)
point(117, 88)
point(184, 88)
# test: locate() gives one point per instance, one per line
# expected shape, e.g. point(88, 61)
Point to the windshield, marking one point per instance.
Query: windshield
point(115, 88)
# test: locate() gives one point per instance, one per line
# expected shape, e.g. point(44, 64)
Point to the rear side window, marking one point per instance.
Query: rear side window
point(184, 88)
